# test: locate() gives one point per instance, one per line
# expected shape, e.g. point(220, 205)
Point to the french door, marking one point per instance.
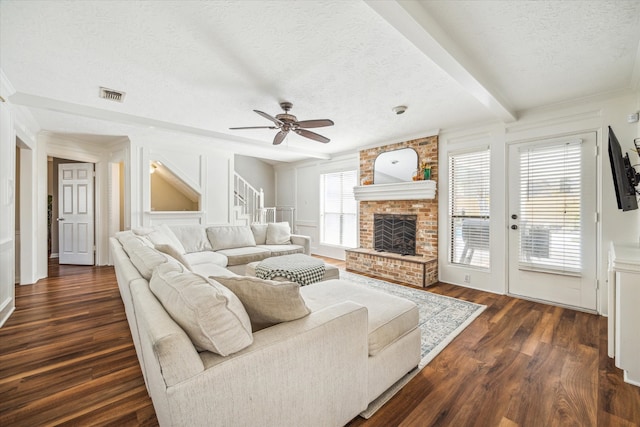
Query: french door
point(552, 220)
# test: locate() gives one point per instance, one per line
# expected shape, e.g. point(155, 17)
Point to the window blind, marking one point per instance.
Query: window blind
point(469, 180)
point(339, 222)
point(550, 186)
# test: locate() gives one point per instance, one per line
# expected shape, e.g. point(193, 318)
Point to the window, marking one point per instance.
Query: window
point(550, 233)
point(469, 208)
point(339, 221)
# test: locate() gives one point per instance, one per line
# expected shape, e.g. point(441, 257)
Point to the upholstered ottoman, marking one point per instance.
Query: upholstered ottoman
point(330, 271)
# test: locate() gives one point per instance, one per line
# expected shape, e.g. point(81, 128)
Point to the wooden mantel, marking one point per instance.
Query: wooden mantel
point(413, 190)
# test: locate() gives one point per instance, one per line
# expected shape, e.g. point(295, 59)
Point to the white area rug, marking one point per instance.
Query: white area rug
point(442, 318)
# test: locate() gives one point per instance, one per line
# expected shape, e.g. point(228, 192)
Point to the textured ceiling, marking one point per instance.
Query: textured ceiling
point(196, 68)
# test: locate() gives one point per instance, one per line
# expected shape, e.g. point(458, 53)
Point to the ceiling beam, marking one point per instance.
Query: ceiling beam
point(241, 145)
point(412, 20)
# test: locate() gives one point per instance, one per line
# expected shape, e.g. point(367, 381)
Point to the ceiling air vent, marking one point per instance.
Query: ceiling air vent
point(111, 95)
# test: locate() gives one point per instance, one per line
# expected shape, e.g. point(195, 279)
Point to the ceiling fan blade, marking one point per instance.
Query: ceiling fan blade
point(312, 135)
point(268, 117)
point(255, 127)
point(280, 136)
point(315, 123)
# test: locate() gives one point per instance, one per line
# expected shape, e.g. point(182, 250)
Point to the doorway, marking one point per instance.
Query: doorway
point(72, 208)
point(552, 220)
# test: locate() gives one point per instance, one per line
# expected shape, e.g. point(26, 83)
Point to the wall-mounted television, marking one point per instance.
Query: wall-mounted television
point(625, 178)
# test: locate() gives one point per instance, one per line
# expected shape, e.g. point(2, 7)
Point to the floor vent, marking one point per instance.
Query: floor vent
point(111, 95)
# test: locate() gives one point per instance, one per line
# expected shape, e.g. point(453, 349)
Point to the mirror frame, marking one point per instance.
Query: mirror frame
point(408, 168)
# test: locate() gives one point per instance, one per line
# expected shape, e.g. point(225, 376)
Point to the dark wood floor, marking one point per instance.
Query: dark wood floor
point(66, 358)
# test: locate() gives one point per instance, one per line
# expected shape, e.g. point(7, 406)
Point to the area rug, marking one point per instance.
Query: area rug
point(442, 318)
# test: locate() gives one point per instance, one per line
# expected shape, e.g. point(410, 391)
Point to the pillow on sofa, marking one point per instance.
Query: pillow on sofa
point(175, 254)
point(193, 237)
point(278, 233)
point(260, 233)
point(160, 235)
point(230, 236)
point(209, 313)
point(267, 301)
point(144, 258)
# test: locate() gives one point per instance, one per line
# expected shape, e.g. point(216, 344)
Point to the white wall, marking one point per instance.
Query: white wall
point(207, 171)
point(259, 174)
point(615, 225)
point(15, 122)
point(298, 185)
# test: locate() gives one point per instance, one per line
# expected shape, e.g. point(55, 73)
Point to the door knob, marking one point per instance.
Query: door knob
point(59, 219)
point(514, 216)
point(514, 227)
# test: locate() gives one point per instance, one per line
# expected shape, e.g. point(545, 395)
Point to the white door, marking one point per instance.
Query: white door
point(552, 220)
point(7, 214)
point(75, 213)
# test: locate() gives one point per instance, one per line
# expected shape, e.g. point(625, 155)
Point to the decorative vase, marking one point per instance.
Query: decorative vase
point(427, 174)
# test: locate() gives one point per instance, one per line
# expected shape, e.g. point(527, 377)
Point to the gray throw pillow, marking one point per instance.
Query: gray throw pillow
point(267, 302)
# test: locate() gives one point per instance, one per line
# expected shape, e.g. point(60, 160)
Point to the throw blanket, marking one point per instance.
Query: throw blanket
point(298, 268)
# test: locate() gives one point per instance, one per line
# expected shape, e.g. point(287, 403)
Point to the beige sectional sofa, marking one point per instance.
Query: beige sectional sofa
point(218, 348)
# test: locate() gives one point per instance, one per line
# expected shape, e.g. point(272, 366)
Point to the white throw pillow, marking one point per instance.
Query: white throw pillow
point(144, 258)
point(209, 313)
point(267, 301)
point(230, 236)
point(193, 237)
point(175, 254)
point(160, 235)
point(260, 233)
point(278, 233)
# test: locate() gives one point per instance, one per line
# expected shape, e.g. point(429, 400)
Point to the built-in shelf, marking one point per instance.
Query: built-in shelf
point(413, 190)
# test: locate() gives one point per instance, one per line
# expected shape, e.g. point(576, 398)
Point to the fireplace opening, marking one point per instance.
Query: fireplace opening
point(395, 233)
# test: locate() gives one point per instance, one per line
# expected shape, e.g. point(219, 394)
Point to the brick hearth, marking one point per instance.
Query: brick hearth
point(418, 270)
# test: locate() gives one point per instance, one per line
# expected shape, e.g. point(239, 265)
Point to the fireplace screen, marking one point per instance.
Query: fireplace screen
point(395, 233)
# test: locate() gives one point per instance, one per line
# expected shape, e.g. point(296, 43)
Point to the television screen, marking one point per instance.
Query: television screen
point(624, 175)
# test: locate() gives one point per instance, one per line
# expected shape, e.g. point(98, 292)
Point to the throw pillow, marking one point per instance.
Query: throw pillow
point(260, 233)
point(209, 313)
point(160, 235)
point(230, 236)
point(144, 258)
point(267, 302)
point(193, 237)
point(278, 233)
point(174, 253)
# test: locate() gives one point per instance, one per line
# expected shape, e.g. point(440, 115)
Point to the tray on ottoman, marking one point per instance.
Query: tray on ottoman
point(298, 268)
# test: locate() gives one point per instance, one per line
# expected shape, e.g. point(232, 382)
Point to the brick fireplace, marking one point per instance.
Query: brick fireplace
point(420, 269)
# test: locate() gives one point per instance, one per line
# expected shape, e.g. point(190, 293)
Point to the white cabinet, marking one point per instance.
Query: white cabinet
point(624, 310)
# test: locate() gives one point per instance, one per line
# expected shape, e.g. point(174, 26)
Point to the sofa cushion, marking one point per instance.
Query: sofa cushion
point(193, 237)
point(175, 254)
point(209, 313)
point(390, 317)
point(239, 256)
point(279, 250)
point(208, 270)
point(278, 233)
point(260, 233)
point(230, 236)
point(144, 258)
point(206, 257)
point(267, 302)
point(160, 235)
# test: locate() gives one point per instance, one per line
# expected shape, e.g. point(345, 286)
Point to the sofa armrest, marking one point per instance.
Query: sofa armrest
point(312, 372)
point(304, 241)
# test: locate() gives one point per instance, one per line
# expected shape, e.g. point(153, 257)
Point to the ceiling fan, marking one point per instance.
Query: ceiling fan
point(288, 122)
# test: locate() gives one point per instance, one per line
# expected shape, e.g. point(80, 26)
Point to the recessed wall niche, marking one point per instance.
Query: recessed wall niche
point(169, 192)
